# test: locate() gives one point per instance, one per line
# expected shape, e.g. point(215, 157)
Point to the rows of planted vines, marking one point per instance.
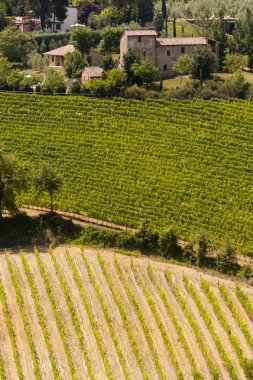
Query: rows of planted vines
point(186, 164)
point(126, 318)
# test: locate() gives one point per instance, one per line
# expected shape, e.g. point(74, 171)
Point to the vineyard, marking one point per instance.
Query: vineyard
point(186, 164)
point(71, 314)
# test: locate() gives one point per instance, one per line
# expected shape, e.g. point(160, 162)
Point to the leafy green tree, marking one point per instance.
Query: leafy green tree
point(28, 83)
point(203, 63)
point(3, 19)
point(158, 22)
point(12, 181)
point(74, 64)
point(183, 65)
point(128, 60)
point(243, 34)
point(37, 61)
point(110, 39)
point(217, 30)
point(46, 9)
point(116, 79)
point(240, 84)
point(108, 63)
point(146, 71)
point(168, 244)
point(82, 38)
point(235, 62)
point(5, 69)
point(226, 259)
point(15, 45)
point(47, 180)
point(147, 239)
point(14, 79)
point(54, 82)
point(145, 11)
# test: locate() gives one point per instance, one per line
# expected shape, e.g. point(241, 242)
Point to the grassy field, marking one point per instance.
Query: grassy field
point(71, 314)
point(181, 81)
point(183, 28)
point(186, 164)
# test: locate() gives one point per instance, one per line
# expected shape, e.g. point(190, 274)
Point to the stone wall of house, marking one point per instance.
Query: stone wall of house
point(144, 45)
point(166, 55)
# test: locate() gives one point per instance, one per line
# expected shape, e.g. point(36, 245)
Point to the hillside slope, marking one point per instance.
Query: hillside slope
point(179, 163)
point(72, 314)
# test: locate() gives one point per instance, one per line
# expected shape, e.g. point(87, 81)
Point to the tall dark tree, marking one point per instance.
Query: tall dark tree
point(203, 63)
point(164, 9)
point(129, 59)
point(243, 34)
point(47, 9)
point(145, 11)
point(218, 31)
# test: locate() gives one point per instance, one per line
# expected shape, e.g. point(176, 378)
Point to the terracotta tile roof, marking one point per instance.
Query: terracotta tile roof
point(94, 71)
point(61, 51)
point(140, 32)
point(182, 41)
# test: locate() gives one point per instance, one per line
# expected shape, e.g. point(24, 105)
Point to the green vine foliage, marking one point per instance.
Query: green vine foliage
point(127, 161)
point(24, 317)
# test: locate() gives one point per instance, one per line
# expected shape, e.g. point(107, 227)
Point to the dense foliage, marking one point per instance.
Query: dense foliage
point(181, 164)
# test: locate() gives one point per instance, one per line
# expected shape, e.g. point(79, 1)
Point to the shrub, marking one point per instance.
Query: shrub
point(147, 239)
point(168, 245)
point(54, 82)
point(226, 259)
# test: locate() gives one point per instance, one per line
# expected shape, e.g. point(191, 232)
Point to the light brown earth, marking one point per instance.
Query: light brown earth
point(92, 348)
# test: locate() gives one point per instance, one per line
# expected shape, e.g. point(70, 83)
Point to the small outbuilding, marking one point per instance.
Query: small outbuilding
point(91, 73)
point(56, 56)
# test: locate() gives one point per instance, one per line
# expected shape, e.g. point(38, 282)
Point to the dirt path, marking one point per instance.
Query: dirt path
point(76, 218)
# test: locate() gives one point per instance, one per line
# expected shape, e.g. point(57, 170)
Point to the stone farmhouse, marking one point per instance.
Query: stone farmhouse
point(162, 51)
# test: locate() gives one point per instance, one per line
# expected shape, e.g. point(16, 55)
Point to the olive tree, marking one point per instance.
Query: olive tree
point(12, 181)
point(48, 181)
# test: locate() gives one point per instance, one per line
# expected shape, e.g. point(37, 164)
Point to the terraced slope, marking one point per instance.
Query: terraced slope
point(179, 163)
point(69, 314)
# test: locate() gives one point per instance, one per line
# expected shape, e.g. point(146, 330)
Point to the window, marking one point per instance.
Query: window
point(52, 58)
point(182, 50)
point(139, 38)
point(165, 67)
point(168, 53)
